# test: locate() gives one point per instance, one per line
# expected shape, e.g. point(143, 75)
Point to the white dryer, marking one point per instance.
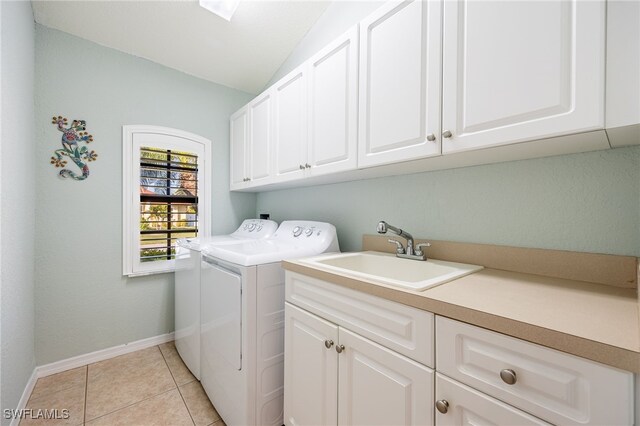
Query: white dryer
point(187, 285)
point(242, 330)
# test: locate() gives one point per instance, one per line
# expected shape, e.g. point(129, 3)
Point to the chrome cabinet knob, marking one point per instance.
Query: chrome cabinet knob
point(431, 137)
point(442, 405)
point(508, 376)
point(447, 134)
point(328, 344)
point(339, 348)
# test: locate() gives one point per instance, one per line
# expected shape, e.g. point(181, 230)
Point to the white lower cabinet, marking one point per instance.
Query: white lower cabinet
point(352, 358)
point(557, 387)
point(458, 404)
point(311, 369)
point(377, 386)
point(334, 376)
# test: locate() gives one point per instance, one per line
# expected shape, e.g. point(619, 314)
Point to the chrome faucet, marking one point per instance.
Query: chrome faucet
point(411, 252)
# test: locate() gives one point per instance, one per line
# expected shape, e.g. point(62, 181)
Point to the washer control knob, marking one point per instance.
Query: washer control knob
point(252, 226)
point(259, 228)
point(297, 231)
point(308, 232)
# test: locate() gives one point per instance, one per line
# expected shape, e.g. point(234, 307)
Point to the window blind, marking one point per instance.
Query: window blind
point(168, 201)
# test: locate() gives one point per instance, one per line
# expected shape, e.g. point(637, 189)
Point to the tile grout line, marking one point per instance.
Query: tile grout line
point(177, 387)
point(32, 398)
point(131, 405)
point(142, 400)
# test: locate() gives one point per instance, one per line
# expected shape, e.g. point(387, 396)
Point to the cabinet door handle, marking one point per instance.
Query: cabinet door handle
point(447, 134)
point(328, 344)
point(442, 405)
point(339, 348)
point(508, 376)
point(431, 137)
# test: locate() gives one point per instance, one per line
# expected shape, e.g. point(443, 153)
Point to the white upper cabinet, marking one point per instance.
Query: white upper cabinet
point(260, 138)
point(251, 138)
point(522, 70)
point(290, 150)
point(623, 72)
point(333, 106)
point(419, 79)
point(400, 65)
point(238, 150)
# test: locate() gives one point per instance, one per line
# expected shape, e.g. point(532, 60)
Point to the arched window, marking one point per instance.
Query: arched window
point(166, 195)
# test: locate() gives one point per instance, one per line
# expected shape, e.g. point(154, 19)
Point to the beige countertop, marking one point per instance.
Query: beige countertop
point(594, 321)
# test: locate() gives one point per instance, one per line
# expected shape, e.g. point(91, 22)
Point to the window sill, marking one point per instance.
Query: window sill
point(145, 273)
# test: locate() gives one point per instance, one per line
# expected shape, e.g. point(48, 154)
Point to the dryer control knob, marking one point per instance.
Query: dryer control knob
point(308, 232)
point(297, 231)
point(252, 227)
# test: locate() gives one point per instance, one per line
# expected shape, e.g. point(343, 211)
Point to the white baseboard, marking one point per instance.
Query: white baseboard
point(25, 395)
point(101, 355)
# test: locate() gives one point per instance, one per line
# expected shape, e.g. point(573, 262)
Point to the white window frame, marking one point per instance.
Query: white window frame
point(134, 137)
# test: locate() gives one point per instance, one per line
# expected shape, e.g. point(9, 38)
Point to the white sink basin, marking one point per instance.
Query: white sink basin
point(394, 271)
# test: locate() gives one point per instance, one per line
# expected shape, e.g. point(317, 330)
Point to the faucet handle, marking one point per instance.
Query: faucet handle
point(418, 249)
point(399, 246)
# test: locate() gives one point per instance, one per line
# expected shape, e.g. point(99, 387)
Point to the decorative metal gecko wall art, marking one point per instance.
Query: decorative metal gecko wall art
point(78, 154)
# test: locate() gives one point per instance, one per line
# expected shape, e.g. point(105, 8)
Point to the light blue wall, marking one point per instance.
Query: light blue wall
point(584, 202)
point(18, 200)
point(83, 303)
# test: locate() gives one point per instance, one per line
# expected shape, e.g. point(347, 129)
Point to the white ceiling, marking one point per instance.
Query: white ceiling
point(242, 54)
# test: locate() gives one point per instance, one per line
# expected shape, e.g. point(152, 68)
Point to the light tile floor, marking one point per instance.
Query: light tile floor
point(148, 387)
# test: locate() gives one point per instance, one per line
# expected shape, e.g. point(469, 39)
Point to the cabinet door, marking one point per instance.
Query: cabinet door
point(260, 138)
point(333, 106)
point(516, 71)
point(467, 406)
point(380, 387)
point(555, 386)
point(311, 369)
point(238, 149)
point(290, 153)
point(400, 66)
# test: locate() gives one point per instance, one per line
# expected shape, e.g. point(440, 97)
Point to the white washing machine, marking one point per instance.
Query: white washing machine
point(242, 330)
point(187, 285)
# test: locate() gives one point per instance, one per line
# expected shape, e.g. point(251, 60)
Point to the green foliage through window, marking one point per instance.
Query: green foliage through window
point(168, 201)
